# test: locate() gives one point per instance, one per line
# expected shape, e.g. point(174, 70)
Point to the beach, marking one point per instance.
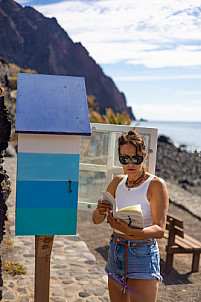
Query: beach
point(80, 261)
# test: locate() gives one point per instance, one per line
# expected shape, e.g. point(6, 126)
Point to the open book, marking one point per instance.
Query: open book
point(131, 215)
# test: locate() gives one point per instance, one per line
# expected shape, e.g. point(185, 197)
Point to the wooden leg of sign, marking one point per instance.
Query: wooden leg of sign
point(43, 248)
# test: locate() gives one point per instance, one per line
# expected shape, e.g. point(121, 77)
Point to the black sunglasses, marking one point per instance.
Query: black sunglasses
point(136, 159)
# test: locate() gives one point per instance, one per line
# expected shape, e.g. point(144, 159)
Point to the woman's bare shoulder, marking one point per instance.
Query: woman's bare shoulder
point(119, 177)
point(157, 181)
point(157, 184)
point(116, 180)
point(114, 183)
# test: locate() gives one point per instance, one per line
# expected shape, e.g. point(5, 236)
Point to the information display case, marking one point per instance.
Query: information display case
point(99, 161)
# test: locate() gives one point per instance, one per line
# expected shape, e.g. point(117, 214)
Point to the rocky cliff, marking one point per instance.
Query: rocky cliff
point(5, 127)
point(32, 40)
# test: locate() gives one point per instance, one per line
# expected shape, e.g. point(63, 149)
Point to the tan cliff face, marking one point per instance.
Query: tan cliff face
point(32, 40)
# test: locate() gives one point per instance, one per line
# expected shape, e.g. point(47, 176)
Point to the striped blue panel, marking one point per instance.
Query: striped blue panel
point(43, 166)
point(47, 194)
point(51, 104)
point(46, 222)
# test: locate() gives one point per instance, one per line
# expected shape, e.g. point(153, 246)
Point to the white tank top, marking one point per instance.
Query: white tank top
point(138, 195)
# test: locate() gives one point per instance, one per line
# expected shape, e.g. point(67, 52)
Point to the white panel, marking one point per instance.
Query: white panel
point(44, 143)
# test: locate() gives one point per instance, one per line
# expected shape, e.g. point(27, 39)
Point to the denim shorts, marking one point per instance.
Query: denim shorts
point(143, 260)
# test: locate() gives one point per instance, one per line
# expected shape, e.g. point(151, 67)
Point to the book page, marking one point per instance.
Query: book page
point(132, 215)
point(107, 196)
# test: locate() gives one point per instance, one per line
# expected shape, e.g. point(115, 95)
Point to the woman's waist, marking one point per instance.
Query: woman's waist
point(124, 237)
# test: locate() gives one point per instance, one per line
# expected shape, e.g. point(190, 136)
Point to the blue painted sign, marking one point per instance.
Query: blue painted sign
point(51, 104)
point(49, 123)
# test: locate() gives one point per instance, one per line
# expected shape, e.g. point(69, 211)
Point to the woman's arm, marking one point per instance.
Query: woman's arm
point(103, 205)
point(99, 213)
point(159, 200)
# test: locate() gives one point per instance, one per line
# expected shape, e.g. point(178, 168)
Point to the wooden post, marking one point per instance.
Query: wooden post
point(169, 260)
point(43, 248)
point(195, 262)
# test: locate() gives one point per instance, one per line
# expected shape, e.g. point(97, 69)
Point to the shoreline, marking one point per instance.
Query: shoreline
point(183, 134)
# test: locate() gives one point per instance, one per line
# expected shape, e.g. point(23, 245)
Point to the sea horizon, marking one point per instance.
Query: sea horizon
point(183, 134)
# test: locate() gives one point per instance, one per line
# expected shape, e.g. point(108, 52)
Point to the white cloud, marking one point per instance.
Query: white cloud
point(152, 33)
point(188, 93)
point(22, 1)
point(165, 112)
point(179, 57)
point(138, 78)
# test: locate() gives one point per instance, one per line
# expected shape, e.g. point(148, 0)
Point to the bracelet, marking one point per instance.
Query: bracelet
point(101, 213)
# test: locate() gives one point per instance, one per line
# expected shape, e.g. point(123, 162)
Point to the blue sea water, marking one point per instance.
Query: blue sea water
point(181, 133)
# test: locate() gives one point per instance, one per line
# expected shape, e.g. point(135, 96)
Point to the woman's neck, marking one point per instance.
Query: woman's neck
point(136, 182)
point(132, 178)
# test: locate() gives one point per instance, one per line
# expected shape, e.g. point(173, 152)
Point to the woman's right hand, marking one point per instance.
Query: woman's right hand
point(103, 206)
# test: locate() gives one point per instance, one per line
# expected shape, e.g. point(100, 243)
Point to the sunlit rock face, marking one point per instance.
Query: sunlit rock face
point(32, 40)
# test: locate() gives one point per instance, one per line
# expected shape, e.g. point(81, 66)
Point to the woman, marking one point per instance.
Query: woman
point(133, 260)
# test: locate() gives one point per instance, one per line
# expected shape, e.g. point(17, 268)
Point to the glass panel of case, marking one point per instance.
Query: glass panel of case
point(91, 185)
point(94, 149)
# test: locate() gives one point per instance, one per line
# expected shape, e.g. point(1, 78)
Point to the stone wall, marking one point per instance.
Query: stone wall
point(5, 128)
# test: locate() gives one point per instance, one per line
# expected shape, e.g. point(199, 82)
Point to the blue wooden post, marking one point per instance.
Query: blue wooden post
point(51, 116)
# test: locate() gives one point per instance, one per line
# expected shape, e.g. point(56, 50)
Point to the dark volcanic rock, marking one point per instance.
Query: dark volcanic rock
point(179, 166)
point(164, 139)
point(5, 128)
point(4, 74)
point(30, 39)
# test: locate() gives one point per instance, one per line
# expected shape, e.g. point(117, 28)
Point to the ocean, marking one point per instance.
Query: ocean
point(181, 133)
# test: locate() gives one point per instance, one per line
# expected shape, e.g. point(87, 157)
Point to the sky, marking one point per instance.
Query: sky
point(150, 48)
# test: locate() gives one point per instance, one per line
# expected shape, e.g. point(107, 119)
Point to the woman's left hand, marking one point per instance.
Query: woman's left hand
point(118, 223)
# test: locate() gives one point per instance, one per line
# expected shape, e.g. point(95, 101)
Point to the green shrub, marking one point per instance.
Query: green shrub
point(13, 268)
